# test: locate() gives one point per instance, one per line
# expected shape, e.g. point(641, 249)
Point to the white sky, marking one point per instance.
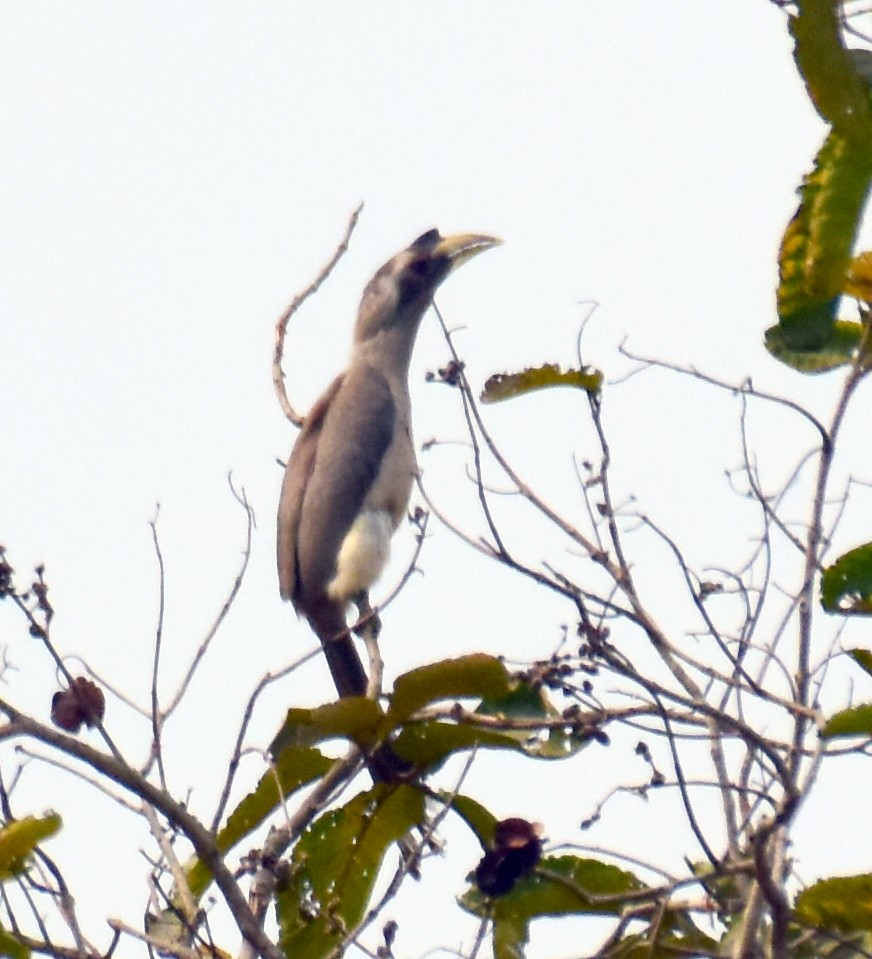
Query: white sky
point(174, 173)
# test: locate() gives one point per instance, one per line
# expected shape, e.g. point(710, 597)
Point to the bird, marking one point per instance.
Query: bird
point(349, 477)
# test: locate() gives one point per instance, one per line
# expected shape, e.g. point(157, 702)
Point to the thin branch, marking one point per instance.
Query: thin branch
point(155, 752)
point(248, 712)
point(119, 772)
point(240, 497)
point(281, 837)
point(408, 865)
point(278, 376)
point(189, 906)
point(155, 945)
point(474, 416)
point(746, 388)
point(91, 781)
point(813, 542)
point(45, 947)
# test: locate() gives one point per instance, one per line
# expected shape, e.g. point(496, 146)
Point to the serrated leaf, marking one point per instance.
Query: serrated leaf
point(816, 249)
point(293, 769)
point(477, 675)
point(19, 838)
point(856, 721)
point(506, 386)
point(838, 349)
point(833, 75)
point(336, 863)
point(843, 903)
point(863, 658)
point(846, 586)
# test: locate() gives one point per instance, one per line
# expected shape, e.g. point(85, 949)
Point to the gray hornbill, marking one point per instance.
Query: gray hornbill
point(349, 478)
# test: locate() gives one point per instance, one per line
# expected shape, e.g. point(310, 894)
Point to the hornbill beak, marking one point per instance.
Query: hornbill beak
point(460, 247)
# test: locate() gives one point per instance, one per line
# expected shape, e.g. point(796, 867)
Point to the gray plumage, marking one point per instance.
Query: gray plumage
point(350, 474)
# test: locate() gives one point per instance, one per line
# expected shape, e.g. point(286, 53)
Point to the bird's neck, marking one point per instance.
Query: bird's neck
point(390, 350)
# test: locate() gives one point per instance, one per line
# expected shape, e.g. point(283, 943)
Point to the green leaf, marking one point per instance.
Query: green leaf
point(816, 248)
point(843, 903)
point(476, 675)
point(521, 701)
point(479, 819)
point(510, 936)
point(858, 282)
point(428, 744)
point(863, 658)
point(351, 717)
point(506, 386)
point(524, 701)
point(559, 886)
point(838, 348)
point(335, 865)
point(10, 946)
point(815, 253)
point(846, 586)
point(856, 721)
point(835, 85)
point(20, 837)
point(293, 769)
point(677, 938)
point(825, 945)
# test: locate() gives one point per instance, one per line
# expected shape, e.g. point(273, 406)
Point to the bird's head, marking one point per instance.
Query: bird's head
point(397, 297)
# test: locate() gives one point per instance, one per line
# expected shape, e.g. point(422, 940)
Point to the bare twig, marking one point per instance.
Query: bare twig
point(240, 497)
point(156, 755)
point(180, 880)
point(235, 759)
point(281, 327)
point(745, 388)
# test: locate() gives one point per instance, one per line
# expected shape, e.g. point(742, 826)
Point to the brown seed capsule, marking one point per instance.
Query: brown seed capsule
point(82, 702)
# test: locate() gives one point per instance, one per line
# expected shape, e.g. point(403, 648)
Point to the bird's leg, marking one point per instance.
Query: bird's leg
point(368, 621)
point(368, 626)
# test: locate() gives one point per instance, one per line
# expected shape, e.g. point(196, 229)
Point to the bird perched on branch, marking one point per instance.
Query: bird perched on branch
point(349, 478)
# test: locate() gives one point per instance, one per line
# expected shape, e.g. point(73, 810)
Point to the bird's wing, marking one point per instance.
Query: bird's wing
point(297, 473)
point(339, 464)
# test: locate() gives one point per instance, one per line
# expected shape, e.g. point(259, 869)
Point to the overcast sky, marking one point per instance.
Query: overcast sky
point(173, 173)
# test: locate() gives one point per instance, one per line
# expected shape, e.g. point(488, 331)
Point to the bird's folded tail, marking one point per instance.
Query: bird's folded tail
point(329, 623)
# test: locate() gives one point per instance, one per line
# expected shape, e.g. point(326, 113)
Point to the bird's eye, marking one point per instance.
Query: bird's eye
point(420, 268)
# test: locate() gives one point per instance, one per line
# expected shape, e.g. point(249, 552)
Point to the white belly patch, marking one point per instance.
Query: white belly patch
point(362, 556)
